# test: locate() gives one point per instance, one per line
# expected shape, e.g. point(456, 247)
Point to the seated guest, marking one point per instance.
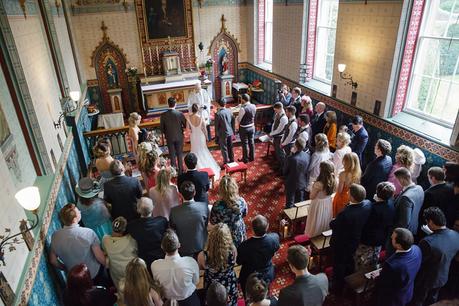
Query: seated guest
point(230, 209)
point(321, 154)
point(306, 106)
point(94, 212)
point(330, 129)
point(394, 286)
point(148, 232)
point(190, 221)
point(81, 292)
point(165, 194)
point(318, 121)
point(102, 154)
point(200, 179)
point(377, 228)
point(342, 148)
point(285, 96)
point(289, 130)
point(148, 164)
point(403, 159)
point(296, 173)
point(277, 131)
point(256, 292)
point(256, 253)
point(347, 231)
point(177, 275)
point(138, 288)
point(122, 192)
point(307, 289)
point(438, 250)
point(121, 248)
point(320, 209)
point(218, 261)
point(408, 203)
point(73, 245)
point(216, 295)
point(295, 101)
point(304, 131)
point(360, 139)
point(377, 170)
point(350, 175)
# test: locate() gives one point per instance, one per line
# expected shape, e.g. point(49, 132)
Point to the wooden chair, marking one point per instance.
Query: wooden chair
point(320, 245)
point(294, 215)
point(360, 283)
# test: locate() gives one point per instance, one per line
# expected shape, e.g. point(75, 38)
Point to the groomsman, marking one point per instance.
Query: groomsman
point(246, 121)
point(224, 131)
point(289, 131)
point(277, 131)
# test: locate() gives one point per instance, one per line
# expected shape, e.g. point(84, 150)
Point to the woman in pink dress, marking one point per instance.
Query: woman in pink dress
point(403, 158)
point(148, 164)
point(165, 195)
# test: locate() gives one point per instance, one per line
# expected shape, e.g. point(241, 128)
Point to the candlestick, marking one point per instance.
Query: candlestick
point(157, 57)
point(151, 60)
point(189, 56)
point(145, 71)
point(143, 58)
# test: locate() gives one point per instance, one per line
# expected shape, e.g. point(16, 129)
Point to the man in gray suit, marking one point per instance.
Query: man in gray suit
point(296, 173)
point(224, 131)
point(172, 124)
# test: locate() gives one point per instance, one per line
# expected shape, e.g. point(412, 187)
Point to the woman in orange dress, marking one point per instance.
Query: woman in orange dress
point(330, 129)
point(350, 175)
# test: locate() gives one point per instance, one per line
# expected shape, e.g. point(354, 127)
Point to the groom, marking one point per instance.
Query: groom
point(172, 123)
point(224, 131)
point(202, 99)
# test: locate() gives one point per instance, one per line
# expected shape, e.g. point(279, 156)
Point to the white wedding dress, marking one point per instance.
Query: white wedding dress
point(199, 148)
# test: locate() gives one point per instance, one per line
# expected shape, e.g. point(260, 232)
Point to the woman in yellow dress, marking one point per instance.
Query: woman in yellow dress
point(350, 175)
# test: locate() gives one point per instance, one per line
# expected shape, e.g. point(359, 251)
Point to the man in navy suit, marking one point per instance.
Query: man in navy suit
point(395, 284)
point(318, 121)
point(200, 179)
point(347, 230)
point(438, 249)
point(360, 139)
point(296, 173)
point(377, 170)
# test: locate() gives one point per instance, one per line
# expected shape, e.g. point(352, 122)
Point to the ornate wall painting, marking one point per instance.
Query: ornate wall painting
point(162, 99)
point(165, 18)
point(179, 96)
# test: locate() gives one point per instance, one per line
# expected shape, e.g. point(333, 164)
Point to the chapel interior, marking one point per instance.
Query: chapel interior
point(73, 72)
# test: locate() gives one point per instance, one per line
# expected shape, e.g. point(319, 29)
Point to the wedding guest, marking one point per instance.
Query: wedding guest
point(360, 139)
point(148, 164)
point(165, 195)
point(216, 295)
point(318, 121)
point(246, 121)
point(403, 158)
point(304, 131)
point(306, 106)
point(342, 148)
point(320, 209)
point(94, 212)
point(350, 175)
point(295, 101)
point(330, 129)
point(121, 248)
point(200, 179)
point(296, 173)
point(80, 290)
point(277, 131)
point(321, 153)
point(289, 130)
point(102, 152)
point(452, 177)
point(377, 170)
point(134, 130)
point(218, 261)
point(419, 159)
point(230, 209)
point(285, 96)
point(256, 292)
point(224, 131)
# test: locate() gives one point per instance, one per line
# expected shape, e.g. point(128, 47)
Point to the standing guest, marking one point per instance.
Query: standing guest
point(438, 250)
point(289, 130)
point(285, 96)
point(201, 98)
point(360, 139)
point(246, 121)
point(306, 106)
point(224, 131)
point(256, 292)
point(177, 275)
point(164, 195)
point(102, 154)
point(347, 231)
point(218, 261)
point(139, 289)
point(172, 123)
point(342, 148)
point(418, 160)
point(73, 245)
point(230, 209)
point(296, 173)
point(148, 232)
point(377, 228)
point(320, 210)
point(190, 221)
point(122, 192)
point(200, 179)
point(304, 131)
point(216, 295)
point(321, 154)
point(403, 158)
point(350, 175)
point(394, 287)
point(255, 254)
point(452, 177)
point(408, 203)
point(134, 130)
point(277, 131)
point(377, 170)
point(148, 164)
point(81, 292)
point(307, 289)
point(121, 248)
point(94, 212)
point(295, 101)
point(330, 129)
point(318, 122)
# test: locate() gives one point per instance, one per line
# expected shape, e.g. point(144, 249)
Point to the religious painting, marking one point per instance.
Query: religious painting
point(4, 128)
point(223, 61)
point(162, 99)
point(165, 18)
point(6, 293)
point(111, 73)
point(179, 96)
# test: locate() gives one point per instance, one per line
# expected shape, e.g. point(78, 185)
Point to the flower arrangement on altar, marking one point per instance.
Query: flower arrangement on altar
point(131, 71)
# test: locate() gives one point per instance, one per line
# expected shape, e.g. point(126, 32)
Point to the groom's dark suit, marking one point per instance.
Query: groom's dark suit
point(172, 124)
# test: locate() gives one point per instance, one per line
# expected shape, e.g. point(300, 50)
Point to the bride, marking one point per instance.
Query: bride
point(198, 138)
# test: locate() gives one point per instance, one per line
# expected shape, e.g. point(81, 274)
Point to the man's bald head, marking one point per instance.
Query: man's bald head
point(320, 107)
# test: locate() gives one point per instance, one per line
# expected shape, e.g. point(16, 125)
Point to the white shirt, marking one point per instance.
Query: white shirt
point(291, 132)
point(338, 158)
point(280, 128)
point(201, 99)
point(177, 275)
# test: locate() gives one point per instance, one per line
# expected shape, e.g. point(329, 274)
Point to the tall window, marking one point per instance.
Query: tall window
point(268, 43)
point(434, 85)
point(327, 15)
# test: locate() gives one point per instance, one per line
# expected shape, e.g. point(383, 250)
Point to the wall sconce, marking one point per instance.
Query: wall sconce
point(347, 76)
point(69, 105)
point(29, 199)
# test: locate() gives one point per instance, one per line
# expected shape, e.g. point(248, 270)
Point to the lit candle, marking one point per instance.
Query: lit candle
point(285, 230)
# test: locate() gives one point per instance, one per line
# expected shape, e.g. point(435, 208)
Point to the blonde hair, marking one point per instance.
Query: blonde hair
point(321, 142)
point(352, 169)
point(228, 192)
point(219, 245)
point(138, 284)
point(345, 138)
point(148, 158)
point(134, 119)
point(405, 157)
point(327, 177)
point(102, 148)
point(163, 180)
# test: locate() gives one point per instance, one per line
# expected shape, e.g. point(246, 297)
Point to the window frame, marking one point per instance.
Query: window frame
point(265, 23)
